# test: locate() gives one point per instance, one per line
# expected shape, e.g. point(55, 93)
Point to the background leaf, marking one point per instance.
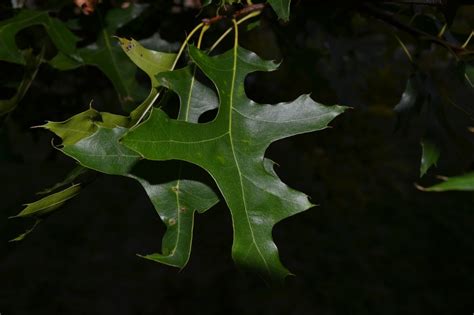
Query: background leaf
point(462, 183)
point(64, 40)
point(429, 157)
point(49, 203)
point(282, 8)
point(70, 178)
point(31, 69)
point(106, 55)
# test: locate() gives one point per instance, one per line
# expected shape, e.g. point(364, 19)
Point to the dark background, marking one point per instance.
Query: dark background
point(374, 245)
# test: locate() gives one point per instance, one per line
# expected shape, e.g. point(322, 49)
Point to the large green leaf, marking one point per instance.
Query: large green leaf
point(462, 183)
point(107, 55)
point(64, 40)
point(231, 148)
point(174, 190)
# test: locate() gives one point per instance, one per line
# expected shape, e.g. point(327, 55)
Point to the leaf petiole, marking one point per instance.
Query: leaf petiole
point(245, 18)
point(180, 52)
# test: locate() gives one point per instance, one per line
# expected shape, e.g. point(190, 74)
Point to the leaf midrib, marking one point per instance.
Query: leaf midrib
point(231, 104)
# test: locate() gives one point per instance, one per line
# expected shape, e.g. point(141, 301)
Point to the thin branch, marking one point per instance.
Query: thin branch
point(246, 10)
point(389, 18)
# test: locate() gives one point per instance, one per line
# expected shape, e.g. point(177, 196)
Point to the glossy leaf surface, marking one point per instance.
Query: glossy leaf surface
point(231, 148)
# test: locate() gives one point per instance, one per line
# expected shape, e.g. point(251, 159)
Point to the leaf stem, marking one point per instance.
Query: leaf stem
point(201, 35)
point(180, 52)
point(255, 10)
point(183, 46)
point(404, 47)
point(245, 18)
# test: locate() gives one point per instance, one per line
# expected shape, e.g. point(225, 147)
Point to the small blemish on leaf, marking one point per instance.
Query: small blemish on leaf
point(129, 47)
point(172, 221)
point(182, 209)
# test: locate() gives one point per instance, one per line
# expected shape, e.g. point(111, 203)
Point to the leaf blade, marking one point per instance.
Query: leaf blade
point(458, 183)
point(49, 203)
point(231, 149)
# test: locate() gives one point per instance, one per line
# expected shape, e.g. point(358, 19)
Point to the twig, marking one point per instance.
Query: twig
point(246, 10)
point(389, 18)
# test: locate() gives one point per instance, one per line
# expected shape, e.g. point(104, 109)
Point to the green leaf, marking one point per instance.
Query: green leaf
point(107, 55)
point(49, 203)
point(150, 61)
point(412, 98)
point(70, 178)
point(195, 98)
point(282, 8)
point(469, 74)
point(463, 183)
point(31, 69)
point(429, 157)
point(85, 124)
point(52, 202)
point(22, 236)
point(175, 200)
point(231, 148)
point(64, 40)
point(175, 194)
